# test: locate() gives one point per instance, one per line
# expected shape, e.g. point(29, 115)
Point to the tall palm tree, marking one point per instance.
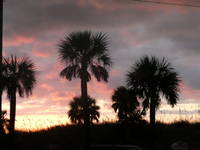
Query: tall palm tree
point(85, 54)
point(126, 105)
point(20, 77)
point(151, 78)
point(76, 112)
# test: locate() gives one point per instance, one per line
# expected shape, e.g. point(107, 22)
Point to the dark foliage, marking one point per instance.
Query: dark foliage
point(76, 112)
point(126, 105)
point(152, 78)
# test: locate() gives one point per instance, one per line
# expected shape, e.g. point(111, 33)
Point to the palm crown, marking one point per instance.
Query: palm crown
point(152, 78)
point(76, 112)
point(84, 51)
point(125, 103)
point(19, 74)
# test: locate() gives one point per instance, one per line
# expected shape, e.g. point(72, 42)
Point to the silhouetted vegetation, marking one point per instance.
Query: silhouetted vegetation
point(76, 112)
point(5, 122)
point(126, 105)
point(70, 136)
point(152, 78)
point(20, 78)
point(85, 54)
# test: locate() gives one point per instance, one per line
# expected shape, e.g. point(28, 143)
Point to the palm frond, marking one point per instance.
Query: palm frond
point(99, 72)
point(150, 77)
point(20, 75)
point(70, 72)
point(77, 112)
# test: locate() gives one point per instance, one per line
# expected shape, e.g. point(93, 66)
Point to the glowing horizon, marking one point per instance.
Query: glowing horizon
point(166, 114)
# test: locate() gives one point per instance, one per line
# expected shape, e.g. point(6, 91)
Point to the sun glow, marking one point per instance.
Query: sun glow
point(189, 112)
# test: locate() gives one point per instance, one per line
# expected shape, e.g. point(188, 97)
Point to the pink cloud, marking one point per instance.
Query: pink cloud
point(115, 73)
point(39, 53)
point(54, 72)
point(43, 49)
point(189, 93)
point(99, 90)
point(107, 5)
point(18, 40)
point(46, 87)
point(60, 96)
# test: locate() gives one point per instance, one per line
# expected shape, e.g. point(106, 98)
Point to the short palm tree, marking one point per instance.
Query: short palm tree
point(85, 54)
point(152, 78)
point(76, 112)
point(20, 78)
point(126, 105)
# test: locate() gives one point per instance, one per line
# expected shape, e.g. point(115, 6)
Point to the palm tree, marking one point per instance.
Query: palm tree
point(20, 77)
point(126, 105)
point(76, 112)
point(85, 54)
point(151, 78)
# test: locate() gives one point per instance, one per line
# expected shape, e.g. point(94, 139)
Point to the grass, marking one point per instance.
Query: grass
point(71, 137)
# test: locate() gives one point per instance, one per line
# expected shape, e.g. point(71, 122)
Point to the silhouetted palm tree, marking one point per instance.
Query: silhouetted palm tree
point(76, 112)
point(126, 105)
point(83, 54)
point(152, 78)
point(20, 78)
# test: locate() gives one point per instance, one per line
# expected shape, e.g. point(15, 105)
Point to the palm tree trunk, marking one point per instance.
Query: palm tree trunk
point(152, 112)
point(12, 118)
point(1, 121)
point(84, 95)
point(152, 122)
point(12, 112)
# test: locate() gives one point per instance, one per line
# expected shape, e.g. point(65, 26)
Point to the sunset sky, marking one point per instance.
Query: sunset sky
point(34, 28)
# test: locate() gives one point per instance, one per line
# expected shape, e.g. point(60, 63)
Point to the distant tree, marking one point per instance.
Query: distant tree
point(126, 105)
point(76, 112)
point(20, 78)
point(151, 78)
point(83, 54)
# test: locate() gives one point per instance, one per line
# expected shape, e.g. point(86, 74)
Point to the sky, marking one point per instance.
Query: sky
point(34, 28)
